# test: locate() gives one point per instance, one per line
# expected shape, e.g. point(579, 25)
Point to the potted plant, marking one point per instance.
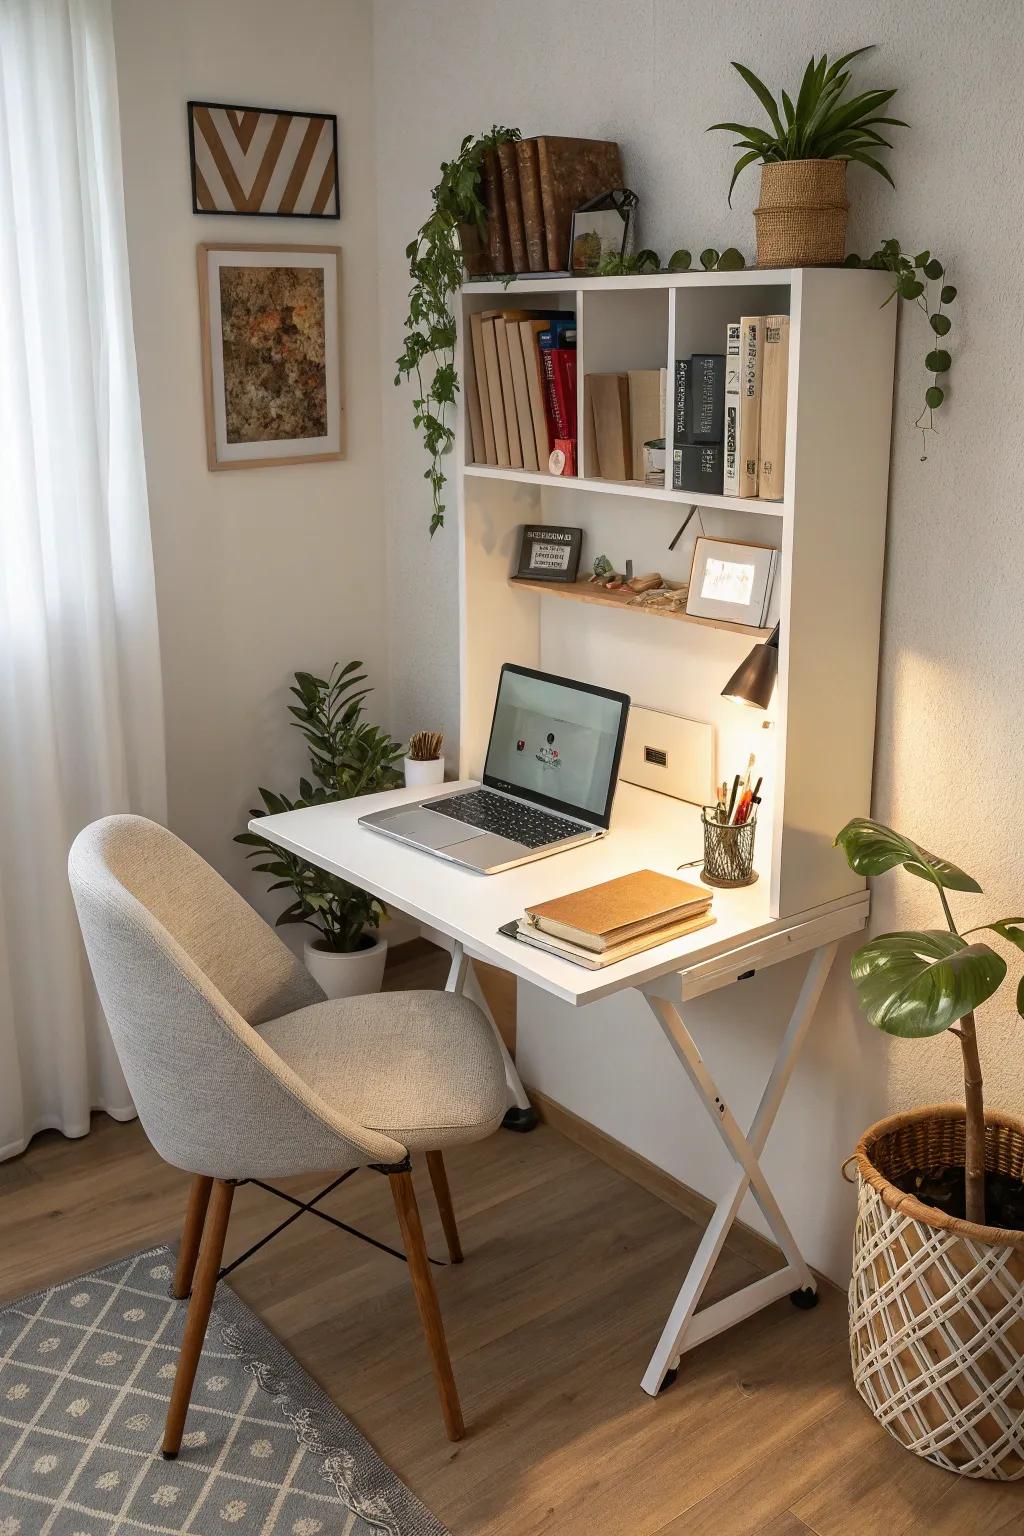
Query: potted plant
point(347, 757)
point(936, 1325)
point(424, 763)
point(804, 152)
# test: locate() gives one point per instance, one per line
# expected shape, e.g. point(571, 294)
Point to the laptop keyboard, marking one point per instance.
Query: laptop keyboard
point(509, 818)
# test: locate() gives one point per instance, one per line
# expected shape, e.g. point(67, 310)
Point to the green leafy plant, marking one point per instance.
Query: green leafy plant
point(820, 124)
point(436, 267)
point(644, 262)
point(920, 281)
point(920, 983)
point(347, 757)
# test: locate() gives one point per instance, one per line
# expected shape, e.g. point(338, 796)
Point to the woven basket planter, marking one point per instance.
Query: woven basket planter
point(801, 218)
point(937, 1304)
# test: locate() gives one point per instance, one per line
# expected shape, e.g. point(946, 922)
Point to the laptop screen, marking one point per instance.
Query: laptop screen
point(556, 742)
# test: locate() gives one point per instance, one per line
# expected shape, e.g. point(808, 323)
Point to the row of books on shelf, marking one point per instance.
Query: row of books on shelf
point(530, 189)
point(521, 389)
point(730, 413)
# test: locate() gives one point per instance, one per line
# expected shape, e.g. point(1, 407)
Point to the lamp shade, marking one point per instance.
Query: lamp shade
point(753, 682)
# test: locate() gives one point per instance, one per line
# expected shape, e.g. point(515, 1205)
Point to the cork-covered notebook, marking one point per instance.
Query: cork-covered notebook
point(608, 915)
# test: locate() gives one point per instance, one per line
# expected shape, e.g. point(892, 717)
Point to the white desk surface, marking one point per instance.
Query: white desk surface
point(648, 831)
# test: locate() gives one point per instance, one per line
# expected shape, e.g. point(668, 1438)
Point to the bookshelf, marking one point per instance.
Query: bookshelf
point(815, 746)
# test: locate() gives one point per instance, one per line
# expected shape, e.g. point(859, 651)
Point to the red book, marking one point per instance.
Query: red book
point(564, 359)
point(557, 424)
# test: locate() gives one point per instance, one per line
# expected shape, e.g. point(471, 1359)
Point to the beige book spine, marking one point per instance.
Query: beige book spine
point(751, 367)
point(515, 451)
point(771, 468)
point(476, 331)
point(521, 393)
point(494, 390)
point(528, 332)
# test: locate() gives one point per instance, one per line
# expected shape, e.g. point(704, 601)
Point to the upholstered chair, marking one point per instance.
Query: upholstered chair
point(241, 1070)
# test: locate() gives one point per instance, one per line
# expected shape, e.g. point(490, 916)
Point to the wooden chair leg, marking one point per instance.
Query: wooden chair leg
point(426, 1301)
point(195, 1216)
point(198, 1314)
point(443, 1195)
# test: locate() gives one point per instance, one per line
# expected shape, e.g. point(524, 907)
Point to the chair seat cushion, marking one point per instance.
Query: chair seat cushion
point(422, 1067)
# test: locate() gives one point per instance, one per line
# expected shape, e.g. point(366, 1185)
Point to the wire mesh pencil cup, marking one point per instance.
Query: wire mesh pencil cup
point(728, 851)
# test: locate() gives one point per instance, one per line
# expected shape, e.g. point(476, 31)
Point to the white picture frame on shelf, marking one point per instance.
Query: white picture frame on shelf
point(732, 581)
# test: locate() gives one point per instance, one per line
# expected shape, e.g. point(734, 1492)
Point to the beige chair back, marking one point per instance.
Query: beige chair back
point(184, 968)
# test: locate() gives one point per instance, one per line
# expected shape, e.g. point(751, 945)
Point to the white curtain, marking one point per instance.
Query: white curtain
point(81, 716)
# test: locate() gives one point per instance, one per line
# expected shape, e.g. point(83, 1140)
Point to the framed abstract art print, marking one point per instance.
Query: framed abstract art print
point(271, 345)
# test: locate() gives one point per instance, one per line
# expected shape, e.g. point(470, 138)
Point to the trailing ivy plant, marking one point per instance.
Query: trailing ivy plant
point(919, 280)
point(435, 266)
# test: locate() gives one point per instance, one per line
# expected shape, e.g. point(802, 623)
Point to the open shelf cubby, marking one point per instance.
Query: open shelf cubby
point(815, 745)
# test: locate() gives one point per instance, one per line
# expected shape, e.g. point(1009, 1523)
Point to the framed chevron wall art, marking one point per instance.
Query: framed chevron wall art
point(263, 162)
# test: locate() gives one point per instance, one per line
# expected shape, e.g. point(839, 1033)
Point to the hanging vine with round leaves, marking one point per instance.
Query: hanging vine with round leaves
point(436, 268)
point(919, 280)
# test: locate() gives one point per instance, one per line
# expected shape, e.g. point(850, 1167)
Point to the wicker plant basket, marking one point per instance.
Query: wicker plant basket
point(937, 1304)
point(801, 218)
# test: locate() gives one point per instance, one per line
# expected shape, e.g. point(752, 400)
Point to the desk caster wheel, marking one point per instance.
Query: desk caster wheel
point(517, 1119)
point(668, 1379)
point(806, 1298)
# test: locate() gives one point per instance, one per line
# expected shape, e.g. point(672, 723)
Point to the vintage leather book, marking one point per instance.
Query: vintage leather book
point(533, 209)
point(572, 171)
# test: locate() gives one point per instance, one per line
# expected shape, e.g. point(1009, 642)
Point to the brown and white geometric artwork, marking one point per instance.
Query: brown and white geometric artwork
point(263, 162)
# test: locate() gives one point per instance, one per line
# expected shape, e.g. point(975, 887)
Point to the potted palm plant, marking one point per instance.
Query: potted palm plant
point(804, 151)
point(936, 1323)
point(348, 757)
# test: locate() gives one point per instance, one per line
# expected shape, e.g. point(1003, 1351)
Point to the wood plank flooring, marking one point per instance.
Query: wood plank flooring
point(570, 1269)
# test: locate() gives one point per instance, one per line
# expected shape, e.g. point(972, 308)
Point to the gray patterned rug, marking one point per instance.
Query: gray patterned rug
point(85, 1375)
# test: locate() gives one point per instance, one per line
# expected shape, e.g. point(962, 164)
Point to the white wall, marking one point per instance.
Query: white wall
point(950, 732)
point(259, 571)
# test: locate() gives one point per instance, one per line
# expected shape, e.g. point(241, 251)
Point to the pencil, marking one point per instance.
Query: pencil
point(732, 798)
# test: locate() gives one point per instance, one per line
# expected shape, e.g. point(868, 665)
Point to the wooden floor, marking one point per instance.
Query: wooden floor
point(570, 1269)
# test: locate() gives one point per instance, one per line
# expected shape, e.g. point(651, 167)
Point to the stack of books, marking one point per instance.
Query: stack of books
point(618, 918)
point(520, 379)
point(531, 188)
point(622, 412)
point(730, 413)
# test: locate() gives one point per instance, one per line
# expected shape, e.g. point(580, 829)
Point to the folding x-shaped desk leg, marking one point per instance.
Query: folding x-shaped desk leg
point(686, 1327)
point(521, 1115)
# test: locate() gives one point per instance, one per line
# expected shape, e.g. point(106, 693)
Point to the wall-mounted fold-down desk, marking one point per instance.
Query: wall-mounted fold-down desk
point(648, 831)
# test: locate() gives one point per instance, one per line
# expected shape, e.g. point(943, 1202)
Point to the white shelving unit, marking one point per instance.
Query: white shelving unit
point(815, 749)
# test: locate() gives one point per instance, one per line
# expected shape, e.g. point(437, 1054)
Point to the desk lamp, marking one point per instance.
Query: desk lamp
point(753, 682)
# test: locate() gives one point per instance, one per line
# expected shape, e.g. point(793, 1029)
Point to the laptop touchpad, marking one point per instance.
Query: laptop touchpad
point(429, 829)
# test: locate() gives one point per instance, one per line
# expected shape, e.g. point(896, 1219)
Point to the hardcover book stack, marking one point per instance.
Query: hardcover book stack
point(622, 412)
point(520, 380)
point(730, 413)
point(618, 918)
point(531, 188)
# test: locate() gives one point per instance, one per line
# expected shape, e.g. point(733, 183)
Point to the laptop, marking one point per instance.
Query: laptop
point(548, 783)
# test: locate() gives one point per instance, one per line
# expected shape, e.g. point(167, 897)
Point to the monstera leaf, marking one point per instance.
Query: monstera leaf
point(915, 984)
point(872, 848)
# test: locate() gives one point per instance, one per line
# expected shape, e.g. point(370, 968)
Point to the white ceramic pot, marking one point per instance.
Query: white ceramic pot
point(419, 773)
point(348, 975)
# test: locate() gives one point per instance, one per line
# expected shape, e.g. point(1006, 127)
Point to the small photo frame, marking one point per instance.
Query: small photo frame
point(549, 554)
point(731, 581)
point(270, 318)
point(263, 162)
point(602, 227)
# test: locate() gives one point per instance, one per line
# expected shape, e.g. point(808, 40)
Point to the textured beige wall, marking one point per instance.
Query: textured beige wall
point(258, 571)
point(950, 736)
